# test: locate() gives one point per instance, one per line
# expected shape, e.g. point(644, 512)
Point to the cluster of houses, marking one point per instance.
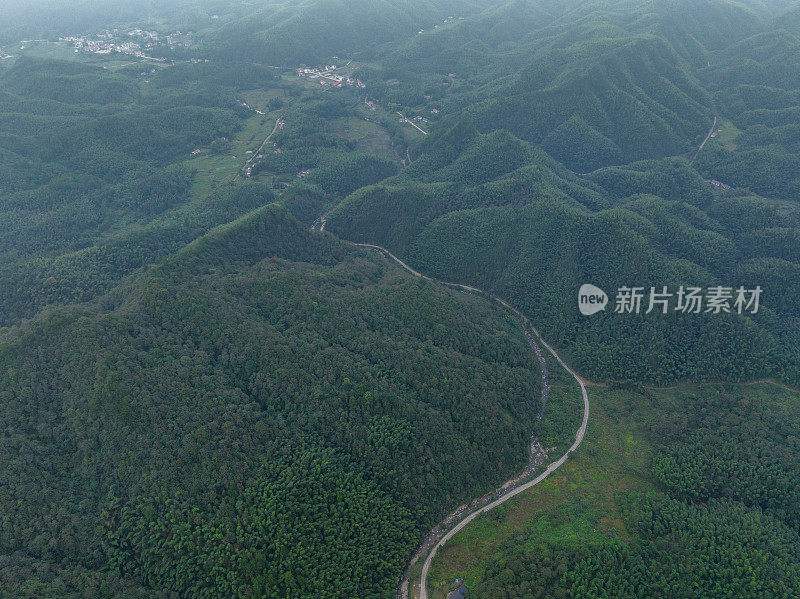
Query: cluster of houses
point(135, 43)
point(142, 33)
point(328, 76)
point(718, 184)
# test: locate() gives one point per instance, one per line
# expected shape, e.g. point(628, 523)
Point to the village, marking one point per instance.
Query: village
point(328, 76)
point(135, 42)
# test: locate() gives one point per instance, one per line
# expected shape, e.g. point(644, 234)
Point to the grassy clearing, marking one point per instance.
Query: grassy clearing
point(727, 135)
point(218, 169)
point(462, 556)
point(584, 502)
point(368, 136)
point(258, 99)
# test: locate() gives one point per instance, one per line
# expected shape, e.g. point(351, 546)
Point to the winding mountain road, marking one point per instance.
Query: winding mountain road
point(513, 487)
point(423, 581)
point(513, 490)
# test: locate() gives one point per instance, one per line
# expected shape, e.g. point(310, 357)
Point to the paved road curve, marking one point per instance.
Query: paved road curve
point(513, 490)
point(423, 582)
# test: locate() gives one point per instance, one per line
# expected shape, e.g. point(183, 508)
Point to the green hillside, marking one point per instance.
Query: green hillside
point(207, 390)
point(672, 496)
point(756, 85)
point(271, 407)
point(311, 31)
point(92, 184)
point(534, 244)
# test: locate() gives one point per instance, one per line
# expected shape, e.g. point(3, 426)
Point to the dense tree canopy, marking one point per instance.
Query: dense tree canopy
point(201, 397)
point(723, 523)
point(271, 397)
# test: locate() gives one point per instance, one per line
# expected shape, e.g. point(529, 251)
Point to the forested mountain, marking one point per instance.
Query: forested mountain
point(595, 74)
point(534, 232)
point(311, 31)
point(205, 426)
point(90, 187)
point(209, 391)
point(453, 230)
point(757, 85)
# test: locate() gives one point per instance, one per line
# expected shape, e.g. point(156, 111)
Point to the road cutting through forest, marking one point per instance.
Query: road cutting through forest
point(459, 519)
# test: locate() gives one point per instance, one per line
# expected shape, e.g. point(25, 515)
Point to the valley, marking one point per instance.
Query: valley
point(289, 299)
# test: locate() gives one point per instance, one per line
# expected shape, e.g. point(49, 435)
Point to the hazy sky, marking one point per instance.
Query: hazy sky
point(22, 18)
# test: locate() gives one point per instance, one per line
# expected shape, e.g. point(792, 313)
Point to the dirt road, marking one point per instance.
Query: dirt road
point(412, 123)
point(278, 125)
